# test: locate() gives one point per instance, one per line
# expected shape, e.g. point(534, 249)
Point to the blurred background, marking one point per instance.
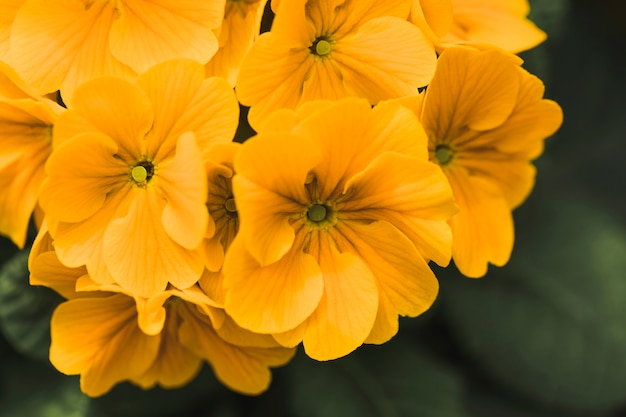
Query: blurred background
point(544, 336)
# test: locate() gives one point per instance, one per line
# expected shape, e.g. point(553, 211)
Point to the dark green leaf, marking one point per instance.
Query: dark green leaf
point(552, 325)
point(393, 380)
point(25, 311)
point(31, 388)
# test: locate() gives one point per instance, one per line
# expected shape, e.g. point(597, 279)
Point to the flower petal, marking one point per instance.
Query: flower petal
point(183, 182)
point(272, 298)
point(81, 243)
point(502, 24)
point(242, 369)
point(95, 104)
point(139, 253)
point(377, 68)
point(270, 191)
point(81, 174)
point(99, 339)
point(184, 101)
point(406, 284)
point(470, 88)
point(47, 270)
point(8, 9)
point(272, 75)
point(411, 194)
point(346, 312)
point(482, 230)
point(350, 135)
point(148, 32)
point(59, 45)
point(175, 365)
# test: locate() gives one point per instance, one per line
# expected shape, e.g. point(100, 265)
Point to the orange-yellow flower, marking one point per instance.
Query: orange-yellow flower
point(323, 49)
point(25, 142)
point(108, 336)
point(61, 44)
point(491, 22)
point(223, 211)
point(486, 119)
point(339, 212)
point(241, 25)
point(126, 187)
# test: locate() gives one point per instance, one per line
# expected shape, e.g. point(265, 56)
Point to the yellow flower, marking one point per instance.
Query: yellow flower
point(486, 119)
point(241, 25)
point(492, 22)
point(320, 49)
point(126, 187)
point(223, 210)
point(59, 45)
point(8, 9)
point(108, 336)
point(339, 213)
point(25, 142)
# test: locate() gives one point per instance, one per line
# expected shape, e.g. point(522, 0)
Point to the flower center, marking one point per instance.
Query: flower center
point(321, 47)
point(317, 213)
point(230, 206)
point(443, 154)
point(139, 173)
point(142, 172)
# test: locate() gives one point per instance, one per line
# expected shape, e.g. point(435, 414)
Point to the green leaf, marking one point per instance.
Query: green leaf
point(393, 380)
point(31, 388)
point(25, 311)
point(552, 325)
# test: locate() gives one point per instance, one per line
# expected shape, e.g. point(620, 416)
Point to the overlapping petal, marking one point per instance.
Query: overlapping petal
point(270, 191)
point(460, 75)
point(483, 227)
point(151, 31)
point(346, 312)
point(272, 298)
point(99, 339)
point(42, 29)
point(140, 254)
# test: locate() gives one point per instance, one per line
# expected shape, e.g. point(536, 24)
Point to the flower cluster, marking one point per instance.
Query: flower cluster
point(389, 134)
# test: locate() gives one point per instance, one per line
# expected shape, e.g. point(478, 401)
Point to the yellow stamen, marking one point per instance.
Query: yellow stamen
point(139, 173)
point(322, 47)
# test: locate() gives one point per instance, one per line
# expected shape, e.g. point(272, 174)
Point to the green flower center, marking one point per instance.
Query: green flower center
point(443, 154)
point(230, 205)
point(142, 172)
point(317, 213)
point(321, 47)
